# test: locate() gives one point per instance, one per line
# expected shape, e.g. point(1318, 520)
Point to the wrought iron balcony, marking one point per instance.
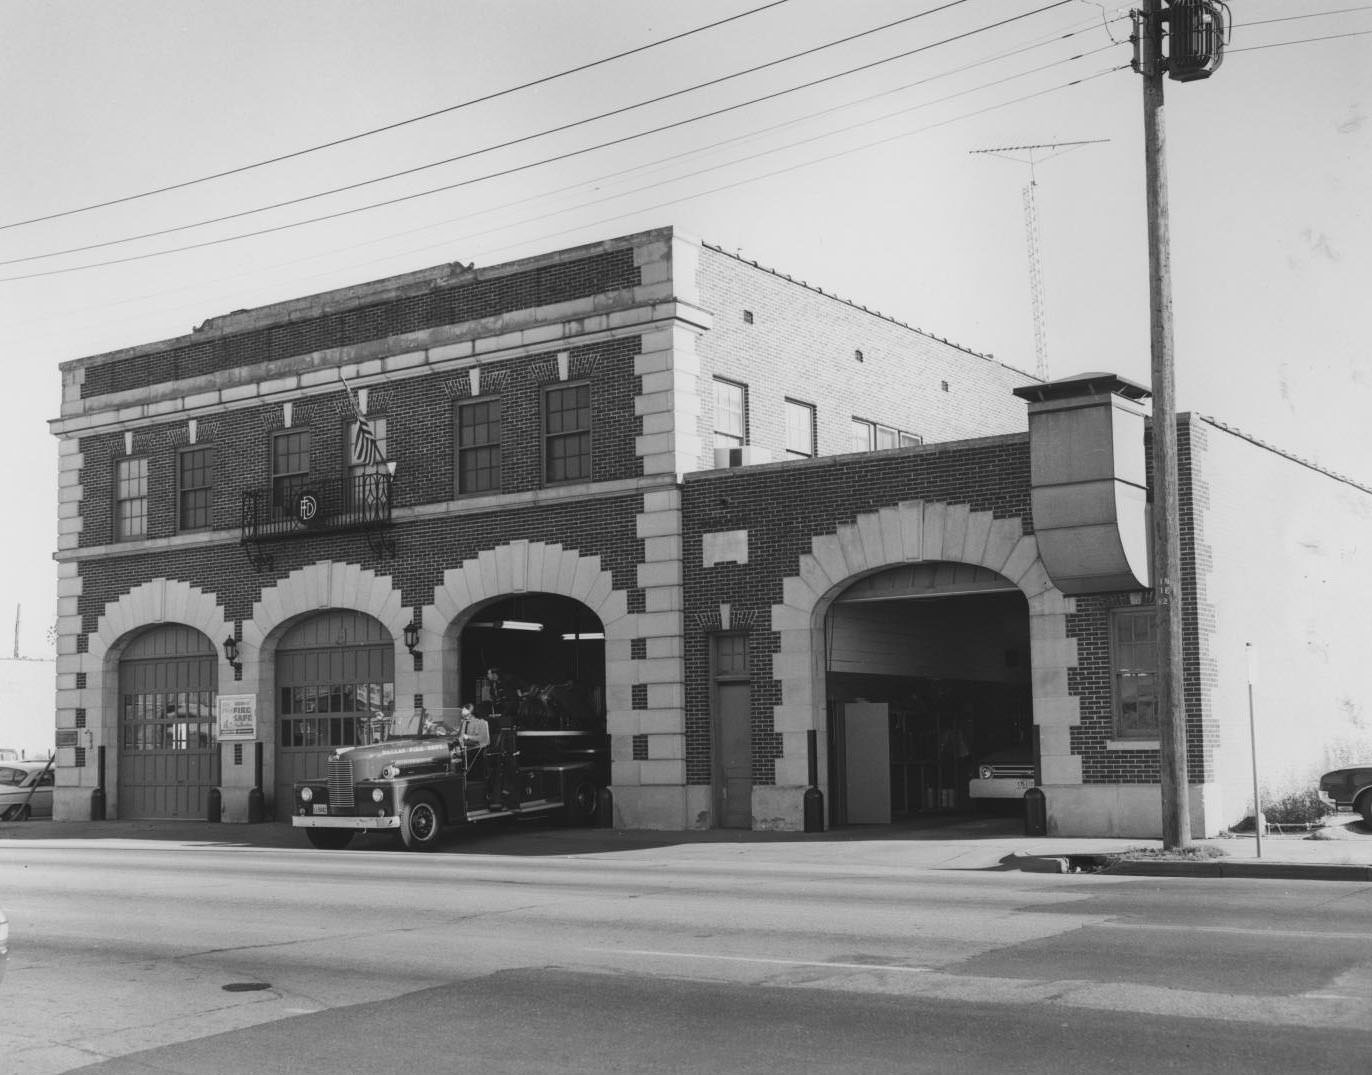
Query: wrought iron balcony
point(307, 507)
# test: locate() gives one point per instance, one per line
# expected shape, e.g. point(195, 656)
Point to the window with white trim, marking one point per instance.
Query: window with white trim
point(800, 429)
point(478, 446)
point(195, 488)
point(874, 437)
point(731, 414)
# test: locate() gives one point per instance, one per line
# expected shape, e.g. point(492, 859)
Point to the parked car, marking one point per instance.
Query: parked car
point(1004, 774)
point(25, 790)
point(1349, 789)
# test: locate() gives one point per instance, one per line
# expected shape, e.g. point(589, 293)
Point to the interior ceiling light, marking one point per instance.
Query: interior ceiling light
point(585, 636)
point(509, 625)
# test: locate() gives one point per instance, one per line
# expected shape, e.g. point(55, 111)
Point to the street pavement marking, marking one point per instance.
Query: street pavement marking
point(770, 962)
point(1307, 934)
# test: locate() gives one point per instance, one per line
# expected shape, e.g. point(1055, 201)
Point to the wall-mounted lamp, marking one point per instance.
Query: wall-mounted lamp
point(231, 654)
point(411, 637)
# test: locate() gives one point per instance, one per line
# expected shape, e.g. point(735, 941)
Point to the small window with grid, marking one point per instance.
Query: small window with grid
point(478, 446)
point(1134, 654)
point(195, 488)
point(131, 499)
point(567, 433)
point(290, 467)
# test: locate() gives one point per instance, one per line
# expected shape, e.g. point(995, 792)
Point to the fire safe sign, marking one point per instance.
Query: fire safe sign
point(237, 716)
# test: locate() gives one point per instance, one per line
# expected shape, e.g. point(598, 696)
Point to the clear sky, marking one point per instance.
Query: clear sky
point(866, 184)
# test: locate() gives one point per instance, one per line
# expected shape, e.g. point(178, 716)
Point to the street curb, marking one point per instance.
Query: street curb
point(1278, 871)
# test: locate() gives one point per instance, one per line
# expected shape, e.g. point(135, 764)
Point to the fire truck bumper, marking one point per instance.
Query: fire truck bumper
point(360, 824)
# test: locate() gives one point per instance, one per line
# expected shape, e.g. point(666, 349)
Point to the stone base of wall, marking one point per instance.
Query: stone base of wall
point(779, 809)
point(1126, 811)
point(659, 808)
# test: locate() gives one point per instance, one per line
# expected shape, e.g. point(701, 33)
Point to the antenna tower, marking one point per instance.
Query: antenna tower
point(1031, 234)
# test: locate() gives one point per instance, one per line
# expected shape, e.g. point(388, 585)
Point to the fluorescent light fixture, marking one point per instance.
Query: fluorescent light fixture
point(585, 636)
point(508, 625)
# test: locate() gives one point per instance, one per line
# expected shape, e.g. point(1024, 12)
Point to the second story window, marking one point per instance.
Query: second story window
point(131, 499)
point(478, 446)
point(567, 434)
point(731, 414)
point(195, 489)
point(874, 437)
point(290, 466)
point(800, 429)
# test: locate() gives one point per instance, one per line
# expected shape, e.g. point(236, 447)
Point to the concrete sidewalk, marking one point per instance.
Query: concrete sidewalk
point(1341, 850)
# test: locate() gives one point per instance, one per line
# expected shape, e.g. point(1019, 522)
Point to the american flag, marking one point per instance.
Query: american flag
point(365, 448)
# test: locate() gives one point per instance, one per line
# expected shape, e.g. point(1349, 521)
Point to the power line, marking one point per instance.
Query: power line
point(748, 136)
point(497, 146)
point(394, 126)
point(789, 168)
point(507, 171)
point(1302, 41)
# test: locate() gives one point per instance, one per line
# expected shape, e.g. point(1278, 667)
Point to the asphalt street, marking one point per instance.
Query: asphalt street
point(214, 948)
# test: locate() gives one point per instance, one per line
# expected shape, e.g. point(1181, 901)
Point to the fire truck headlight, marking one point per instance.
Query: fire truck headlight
point(377, 795)
point(985, 772)
point(306, 795)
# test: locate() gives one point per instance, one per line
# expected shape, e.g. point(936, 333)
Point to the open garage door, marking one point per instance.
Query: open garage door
point(927, 676)
point(168, 755)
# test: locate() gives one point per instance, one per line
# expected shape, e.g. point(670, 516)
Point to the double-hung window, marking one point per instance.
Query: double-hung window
point(567, 433)
point(1134, 665)
point(131, 499)
point(478, 446)
point(195, 488)
point(800, 429)
point(290, 467)
point(731, 414)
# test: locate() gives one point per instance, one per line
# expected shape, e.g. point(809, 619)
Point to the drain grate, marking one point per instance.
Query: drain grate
point(246, 987)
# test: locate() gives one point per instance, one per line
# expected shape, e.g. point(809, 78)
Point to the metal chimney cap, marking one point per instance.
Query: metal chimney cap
point(1083, 384)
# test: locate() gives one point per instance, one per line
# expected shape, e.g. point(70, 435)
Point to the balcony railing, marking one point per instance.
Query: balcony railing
point(305, 507)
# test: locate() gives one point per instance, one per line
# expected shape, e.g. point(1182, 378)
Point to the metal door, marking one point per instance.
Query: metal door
point(868, 760)
point(168, 755)
point(332, 670)
point(733, 733)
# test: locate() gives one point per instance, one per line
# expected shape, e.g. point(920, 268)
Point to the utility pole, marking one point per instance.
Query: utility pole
point(1031, 231)
point(1195, 39)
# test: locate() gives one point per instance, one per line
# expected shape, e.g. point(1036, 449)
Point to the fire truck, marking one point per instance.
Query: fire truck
point(455, 769)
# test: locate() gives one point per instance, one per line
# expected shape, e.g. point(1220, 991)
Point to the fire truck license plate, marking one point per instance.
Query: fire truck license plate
point(321, 808)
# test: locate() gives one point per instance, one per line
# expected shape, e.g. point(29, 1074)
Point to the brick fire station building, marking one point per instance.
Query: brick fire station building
point(724, 507)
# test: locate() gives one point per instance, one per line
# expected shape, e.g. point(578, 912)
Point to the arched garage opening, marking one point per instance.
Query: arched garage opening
point(334, 671)
point(927, 679)
point(168, 754)
point(535, 659)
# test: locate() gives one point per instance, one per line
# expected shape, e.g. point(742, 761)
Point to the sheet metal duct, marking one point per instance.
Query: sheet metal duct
point(1089, 489)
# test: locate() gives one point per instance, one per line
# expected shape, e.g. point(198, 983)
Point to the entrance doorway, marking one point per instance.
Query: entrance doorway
point(168, 754)
point(927, 673)
point(334, 671)
point(733, 732)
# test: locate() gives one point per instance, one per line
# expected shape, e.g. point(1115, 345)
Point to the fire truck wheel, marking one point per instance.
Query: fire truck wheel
point(329, 839)
point(581, 804)
point(420, 823)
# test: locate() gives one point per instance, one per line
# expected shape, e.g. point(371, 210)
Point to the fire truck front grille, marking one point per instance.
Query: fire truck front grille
point(340, 786)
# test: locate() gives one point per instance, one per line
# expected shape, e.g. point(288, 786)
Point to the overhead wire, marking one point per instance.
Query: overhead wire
point(580, 151)
point(748, 136)
point(543, 80)
point(509, 143)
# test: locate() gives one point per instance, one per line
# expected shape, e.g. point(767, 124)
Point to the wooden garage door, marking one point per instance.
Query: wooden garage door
point(168, 756)
point(331, 670)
